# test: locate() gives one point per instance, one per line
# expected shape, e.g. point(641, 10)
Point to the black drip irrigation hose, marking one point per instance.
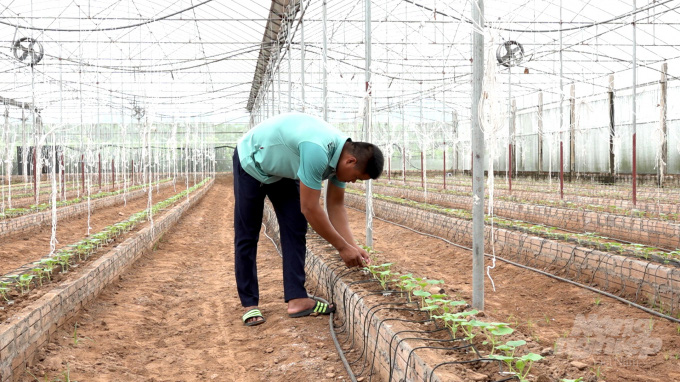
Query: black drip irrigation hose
point(370, 313)
point(338, 348)
point(334, 277)
point(369, 316)
point(620, 299)
point(389, 346)
point(513, 377)
point(367, 320)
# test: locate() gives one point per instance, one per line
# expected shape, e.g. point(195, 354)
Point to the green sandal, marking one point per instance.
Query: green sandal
point(319, 308)
point(253, 313)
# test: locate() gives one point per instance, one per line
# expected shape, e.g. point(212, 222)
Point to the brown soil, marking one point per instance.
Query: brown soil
point(45, 194)
point(175, 315)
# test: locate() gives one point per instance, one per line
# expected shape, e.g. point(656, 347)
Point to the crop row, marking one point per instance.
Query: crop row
point(665, 195)
point(588, 239)
point(642, 210)
point(19, 211)
point(41, 271)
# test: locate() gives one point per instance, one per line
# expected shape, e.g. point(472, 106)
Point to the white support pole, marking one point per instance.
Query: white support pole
point(367, 125)
point(478, 156)
point(634, 111)
point(663, 156)
point(302, 56)
point(540, 133)
point(325, 57)
point(290, 75)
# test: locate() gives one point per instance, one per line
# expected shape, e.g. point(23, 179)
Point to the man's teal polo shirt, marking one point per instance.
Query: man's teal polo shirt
point(294, 146)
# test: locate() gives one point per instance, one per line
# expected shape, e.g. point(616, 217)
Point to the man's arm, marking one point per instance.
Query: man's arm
point(337, 213)
point(337, 233)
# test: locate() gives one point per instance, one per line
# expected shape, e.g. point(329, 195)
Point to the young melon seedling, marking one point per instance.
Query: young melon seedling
point(4, 290)
point(24, 282)
point(493, 331)
point(518, 365)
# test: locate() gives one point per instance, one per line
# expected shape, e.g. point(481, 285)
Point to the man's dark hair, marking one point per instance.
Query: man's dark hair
point(369, 157)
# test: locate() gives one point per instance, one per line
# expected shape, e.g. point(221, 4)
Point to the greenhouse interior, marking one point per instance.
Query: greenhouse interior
point(350, 190)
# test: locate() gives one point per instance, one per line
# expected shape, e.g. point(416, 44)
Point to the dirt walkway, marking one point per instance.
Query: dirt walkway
point(175, 316)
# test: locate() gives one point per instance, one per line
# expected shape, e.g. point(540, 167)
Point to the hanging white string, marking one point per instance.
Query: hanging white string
point(53, 195)
point(491, 119)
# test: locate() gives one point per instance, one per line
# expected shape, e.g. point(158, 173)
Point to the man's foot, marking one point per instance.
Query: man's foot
point(253, 317)
point(301, 307)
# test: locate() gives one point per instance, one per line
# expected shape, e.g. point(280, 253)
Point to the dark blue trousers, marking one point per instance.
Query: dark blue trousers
point(249, 196)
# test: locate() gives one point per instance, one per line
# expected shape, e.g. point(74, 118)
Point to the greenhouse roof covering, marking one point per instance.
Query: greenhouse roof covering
point(214, 61)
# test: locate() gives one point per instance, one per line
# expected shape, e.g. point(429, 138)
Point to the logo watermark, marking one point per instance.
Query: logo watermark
point(621, 338)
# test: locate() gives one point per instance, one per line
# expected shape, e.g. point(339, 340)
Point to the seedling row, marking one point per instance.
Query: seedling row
point(662, 236)
point(20, 211)
point(637, 280)
point(33, 275)
point(617, 194)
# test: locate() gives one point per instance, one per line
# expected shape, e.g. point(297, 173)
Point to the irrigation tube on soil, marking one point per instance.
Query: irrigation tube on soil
point(620, 299)
point(359, 328)
point(634, 278)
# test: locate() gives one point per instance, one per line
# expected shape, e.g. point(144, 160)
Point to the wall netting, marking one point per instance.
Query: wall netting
point(591, 135)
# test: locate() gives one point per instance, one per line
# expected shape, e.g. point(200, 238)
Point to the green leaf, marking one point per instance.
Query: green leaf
point(531, 357)
point(515, 344)
point(520, 364)
point(502, 331)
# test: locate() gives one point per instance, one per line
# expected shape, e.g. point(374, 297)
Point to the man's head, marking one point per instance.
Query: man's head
point(359, 161)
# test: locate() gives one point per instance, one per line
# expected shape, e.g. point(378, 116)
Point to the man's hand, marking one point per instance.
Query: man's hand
point(364, 254)
point(354, 256)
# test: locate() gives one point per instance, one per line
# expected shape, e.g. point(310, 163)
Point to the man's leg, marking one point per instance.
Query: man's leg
point(285, 197)
point(248, 205)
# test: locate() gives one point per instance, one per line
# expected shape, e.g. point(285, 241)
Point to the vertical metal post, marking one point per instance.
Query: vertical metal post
point(35, 175)
point(510, 167)
point(663, 158)
point(403, 153)
point(302, 56)
point(389, 162)
point(273, 86)
point(512, 146)
point(82, 171)
point(132, 170)
point(324, 94)
point(612, 126)
point(511, 124)
point(422, 172)
point(290, 75)
point(24, 151)
point(540, 133)
point(444, 165)
point(100, 171)
point(63, 179)
point(561, 88)
point(478, 157)
point(368, 115)
point(634, 105)
point(572, 130)
point(455, 142)
point(113, 174)
point(561, 171)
